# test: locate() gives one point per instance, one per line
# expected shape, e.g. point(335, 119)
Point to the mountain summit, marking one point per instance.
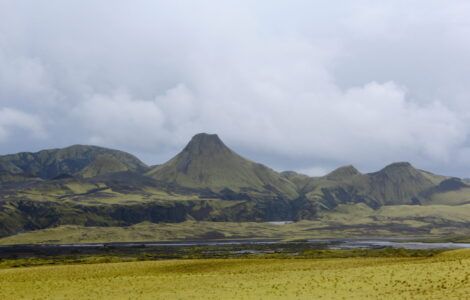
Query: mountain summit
point(343, 173)
point(206, 144)
point(397, 183)
point(206, 162)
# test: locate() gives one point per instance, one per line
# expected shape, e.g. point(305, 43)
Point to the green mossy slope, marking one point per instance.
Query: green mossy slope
point(207, 163)
point(51, 163)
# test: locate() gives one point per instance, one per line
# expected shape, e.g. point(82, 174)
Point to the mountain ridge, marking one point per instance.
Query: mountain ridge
point(50, 163)
point(95, 186)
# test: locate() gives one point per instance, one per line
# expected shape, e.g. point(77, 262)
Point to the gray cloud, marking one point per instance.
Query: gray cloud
point(11, 119)
point(308, 85)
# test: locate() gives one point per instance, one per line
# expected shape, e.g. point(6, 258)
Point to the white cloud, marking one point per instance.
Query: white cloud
point(11, 119)
point(118, 118)
point(25, 80)
point(315, 171)
point(350, 82)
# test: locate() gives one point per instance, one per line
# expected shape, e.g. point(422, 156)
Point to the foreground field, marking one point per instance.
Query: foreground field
point(444, 276)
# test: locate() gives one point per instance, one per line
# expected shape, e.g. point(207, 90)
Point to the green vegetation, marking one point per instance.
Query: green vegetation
point(396, 184)
point(111, 254)
point(103, 164)
point(70, 160)
point(447, 239)
point(92, 187)
point(442, 276)
point(343, 173)
point(207, 163)
point(344, 221)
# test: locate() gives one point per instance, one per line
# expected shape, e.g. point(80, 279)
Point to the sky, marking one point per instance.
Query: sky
point(299, 85)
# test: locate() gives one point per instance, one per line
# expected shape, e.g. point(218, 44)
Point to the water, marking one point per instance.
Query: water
point(385, 243)
point(320, 243)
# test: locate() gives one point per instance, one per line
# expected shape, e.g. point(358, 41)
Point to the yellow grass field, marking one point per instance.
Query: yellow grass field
point(445, 276)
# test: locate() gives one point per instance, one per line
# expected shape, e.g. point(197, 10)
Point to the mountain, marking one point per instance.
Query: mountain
point(48, 164)
point(206, 162)
point(94, 186)
point(398, 183)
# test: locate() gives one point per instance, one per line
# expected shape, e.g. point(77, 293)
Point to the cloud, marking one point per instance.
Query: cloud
point(11, 119)
point(25, 80)
point(120, 119)
point(315, 171)
point(303, 85)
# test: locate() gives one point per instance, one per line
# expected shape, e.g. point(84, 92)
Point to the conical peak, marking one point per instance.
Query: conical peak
point(206, 162)
point(204, 142)
point(205, 138)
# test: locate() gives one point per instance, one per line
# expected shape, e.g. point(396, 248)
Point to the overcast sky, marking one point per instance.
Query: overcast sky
point(302, 85)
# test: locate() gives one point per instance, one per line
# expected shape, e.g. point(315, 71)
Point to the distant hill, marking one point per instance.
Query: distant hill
point(48, 164)
point(396, 184)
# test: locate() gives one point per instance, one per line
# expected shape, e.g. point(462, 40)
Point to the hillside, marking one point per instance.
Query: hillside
point(396, 184)
point(103, 164)
point(48, 164)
